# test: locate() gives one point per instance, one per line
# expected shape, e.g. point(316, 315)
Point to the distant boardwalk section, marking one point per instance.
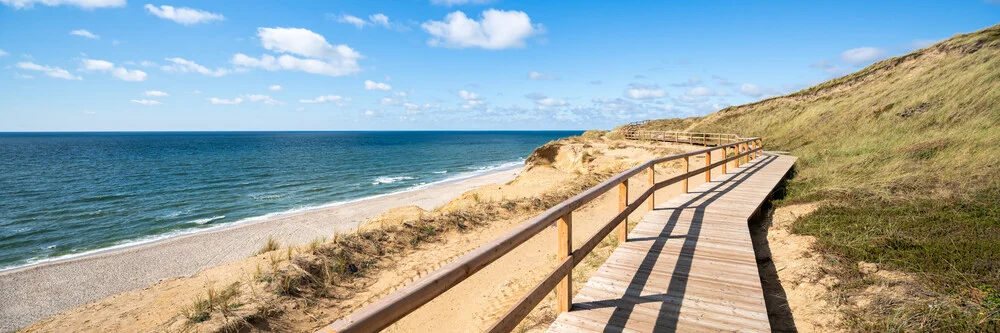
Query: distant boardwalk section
point(689, 265)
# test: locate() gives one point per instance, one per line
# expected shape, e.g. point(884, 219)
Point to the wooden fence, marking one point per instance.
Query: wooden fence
point(704, 139)
point(395, 306)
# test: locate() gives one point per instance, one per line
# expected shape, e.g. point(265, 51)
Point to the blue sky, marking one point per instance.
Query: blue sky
point(121, 65)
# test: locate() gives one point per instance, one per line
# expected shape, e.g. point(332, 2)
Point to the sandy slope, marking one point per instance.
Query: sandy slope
point(32, 293)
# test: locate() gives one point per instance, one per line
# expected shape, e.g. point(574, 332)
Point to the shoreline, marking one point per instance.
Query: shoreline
point(152, 240)
point(43, 289)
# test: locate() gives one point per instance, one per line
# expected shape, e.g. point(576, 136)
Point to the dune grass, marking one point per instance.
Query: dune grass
point(904, 154)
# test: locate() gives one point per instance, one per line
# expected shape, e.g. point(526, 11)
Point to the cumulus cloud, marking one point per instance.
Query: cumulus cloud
point(321, 57)
point(377, 19)
point(118, 72)
point(472, 100)
point(183, 15)
point(643, 91)
point(372, 85)
point(700, 92)
point(262, 98)
point(84, 33)
point(323, 99)
point(55, 72)
point(540, 76)
point(496, 29)
point(353, 20)
point(146, 102)
point(274, 88)
point(543, 101)
point(862, 55)
point(85, 4)
point(721, 81)
point(155, 93)
point(180, 65)
point(372, 113)
point(233, 101)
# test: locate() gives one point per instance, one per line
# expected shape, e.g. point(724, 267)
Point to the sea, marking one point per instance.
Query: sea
point(69, 194)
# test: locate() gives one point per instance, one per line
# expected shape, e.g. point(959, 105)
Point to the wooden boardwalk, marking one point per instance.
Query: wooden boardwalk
point(689, 265)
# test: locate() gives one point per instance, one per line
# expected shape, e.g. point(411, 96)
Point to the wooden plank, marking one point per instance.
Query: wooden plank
point(690, 264)
point(622, 203)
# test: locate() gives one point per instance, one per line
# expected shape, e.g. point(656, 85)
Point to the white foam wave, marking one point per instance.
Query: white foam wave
point(390, 180)
point(441, 172)
point(210, 219)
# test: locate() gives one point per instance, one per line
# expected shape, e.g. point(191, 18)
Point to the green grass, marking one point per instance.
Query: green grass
point(905, 154)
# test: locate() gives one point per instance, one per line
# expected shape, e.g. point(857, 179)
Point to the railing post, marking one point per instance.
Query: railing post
point(725, 155)
point(565, 287)
point(622, 203)
point(708, 161)
point(652, 182)
point(761, 144)
point(687, 165)
point(739, 150)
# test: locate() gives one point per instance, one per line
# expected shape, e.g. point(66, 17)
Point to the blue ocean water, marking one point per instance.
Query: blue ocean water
point(63, 194)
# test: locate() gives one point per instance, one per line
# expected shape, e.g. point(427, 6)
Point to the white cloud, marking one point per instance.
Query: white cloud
point(50, 71)
point(147, 64)
point(450, 3)
point(325, 59)
point(472, 100)
point(323, 99)
point(372, 113)
point(180, 65)
point(146, 102)
point(2, 53)
point(372, 85)
point(196, 92)
point(262, 98)
point(379, 19)
point(753, 90)
point(23, 76)
point(540, 76)
point(467, 95)
point(118, 72)
point(85, 4)
point(354, 20)
point(155, 93)
point(700, 92)
point(642, 91)
point(497, 29)
point(183, 15)
point(233, 101)
point(862, 55)
point(274, 88)
point(388, 101)
point(84, 33)
point(544, 101)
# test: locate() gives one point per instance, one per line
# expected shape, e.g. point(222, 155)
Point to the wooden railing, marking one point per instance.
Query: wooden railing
point(704, 139)
point(395, 306)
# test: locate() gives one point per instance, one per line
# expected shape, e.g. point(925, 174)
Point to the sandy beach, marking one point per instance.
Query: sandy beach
point(34, 292)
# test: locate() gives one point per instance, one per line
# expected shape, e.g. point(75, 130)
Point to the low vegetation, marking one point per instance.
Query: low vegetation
point(902, 153)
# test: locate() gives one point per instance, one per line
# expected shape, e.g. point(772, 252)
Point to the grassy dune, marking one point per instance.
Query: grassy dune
point(904, 154)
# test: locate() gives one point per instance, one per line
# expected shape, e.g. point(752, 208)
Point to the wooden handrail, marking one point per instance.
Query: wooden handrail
point(395, 306)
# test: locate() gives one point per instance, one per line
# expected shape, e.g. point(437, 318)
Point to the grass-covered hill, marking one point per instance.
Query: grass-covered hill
point(904, 154)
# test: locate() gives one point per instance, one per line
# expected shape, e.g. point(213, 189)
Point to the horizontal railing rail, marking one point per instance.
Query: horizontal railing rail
point(694, 138)
point(395, 306)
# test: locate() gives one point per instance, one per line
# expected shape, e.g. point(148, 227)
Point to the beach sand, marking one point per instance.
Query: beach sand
point(31, 293)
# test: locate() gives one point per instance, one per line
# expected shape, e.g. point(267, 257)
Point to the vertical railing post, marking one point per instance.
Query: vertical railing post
point(687, 166)
point(622, 203)
point(725, 155)
point(708, 161)
point(565, 287)
point(760, 144)
point(652, 182)
point(739, 150)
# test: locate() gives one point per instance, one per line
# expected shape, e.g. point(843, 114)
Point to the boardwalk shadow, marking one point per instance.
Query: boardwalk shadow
point(779, 314)
point(673, 299)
